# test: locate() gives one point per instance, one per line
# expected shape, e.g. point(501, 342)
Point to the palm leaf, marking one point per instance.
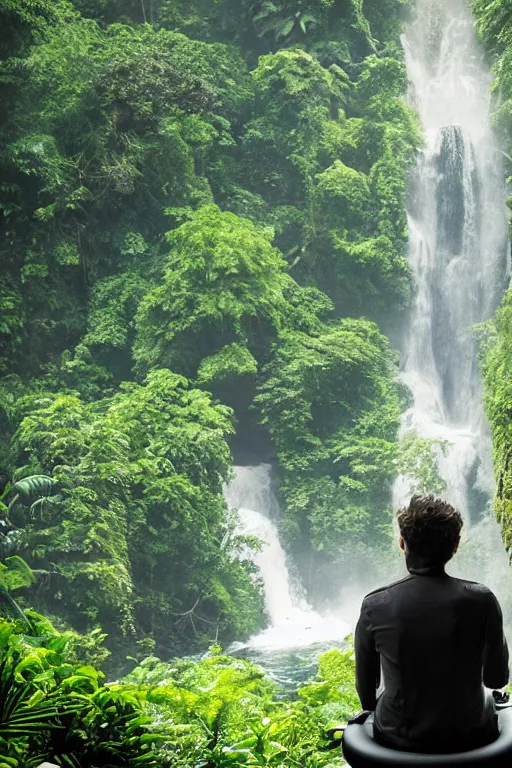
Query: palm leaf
point(30, 492)
point(22, 714)
point(308, 18)
point(287, 28)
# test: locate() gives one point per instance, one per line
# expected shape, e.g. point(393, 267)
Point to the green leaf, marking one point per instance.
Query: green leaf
point(287, 28)
point(32, 488)
point(306, 19)
point(16, 574)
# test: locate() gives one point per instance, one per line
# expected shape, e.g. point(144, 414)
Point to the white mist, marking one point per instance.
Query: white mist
point(458, 253)
point(293, 623)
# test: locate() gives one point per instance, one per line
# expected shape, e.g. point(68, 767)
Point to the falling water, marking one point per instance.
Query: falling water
point(293, 623)
point(459, 258)
point(250, 493)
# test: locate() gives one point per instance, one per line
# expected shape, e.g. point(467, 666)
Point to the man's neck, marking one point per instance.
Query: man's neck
point(421, 567)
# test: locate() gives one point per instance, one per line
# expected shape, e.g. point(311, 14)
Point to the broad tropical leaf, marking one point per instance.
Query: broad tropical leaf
point(30, 489)
point(308, 18)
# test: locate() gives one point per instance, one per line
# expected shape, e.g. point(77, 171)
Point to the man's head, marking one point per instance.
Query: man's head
point(429, 529)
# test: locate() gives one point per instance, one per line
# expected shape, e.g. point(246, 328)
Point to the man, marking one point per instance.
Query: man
point(438, 639)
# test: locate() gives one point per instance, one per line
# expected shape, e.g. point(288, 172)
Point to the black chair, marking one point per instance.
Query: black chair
point(360, 749)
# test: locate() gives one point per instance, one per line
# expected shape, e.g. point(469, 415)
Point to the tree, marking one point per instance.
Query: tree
point(494, 23)
point(496, 360)
point(20, 21)
point(331, 407)
point(135, 539)
point(270, 140)
point(222, 284)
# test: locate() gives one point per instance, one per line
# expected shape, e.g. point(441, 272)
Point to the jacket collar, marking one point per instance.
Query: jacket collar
point(419, 567)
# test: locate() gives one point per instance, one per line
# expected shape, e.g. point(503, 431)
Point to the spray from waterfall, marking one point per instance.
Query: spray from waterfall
point(293, 623)
point(458, 254)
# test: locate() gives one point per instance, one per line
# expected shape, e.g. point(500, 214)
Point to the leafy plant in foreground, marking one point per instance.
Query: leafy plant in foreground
point(221, 711)
point(53, 710)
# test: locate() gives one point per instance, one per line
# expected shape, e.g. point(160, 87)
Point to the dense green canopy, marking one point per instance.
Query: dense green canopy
point(203, 244)
point(204, 248)
point(203, 227)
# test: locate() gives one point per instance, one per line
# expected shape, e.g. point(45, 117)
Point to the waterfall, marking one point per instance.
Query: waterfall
point(293, 622)
point(250, 493)
point(458, 253)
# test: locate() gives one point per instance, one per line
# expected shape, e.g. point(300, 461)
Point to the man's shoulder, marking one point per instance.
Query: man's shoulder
point(383, 593)
point(475, 588)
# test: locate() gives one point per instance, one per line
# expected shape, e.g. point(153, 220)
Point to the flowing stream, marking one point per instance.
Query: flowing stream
point(458, 253)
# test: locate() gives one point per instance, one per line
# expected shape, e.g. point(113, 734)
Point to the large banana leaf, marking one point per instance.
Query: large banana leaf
point(33, 488)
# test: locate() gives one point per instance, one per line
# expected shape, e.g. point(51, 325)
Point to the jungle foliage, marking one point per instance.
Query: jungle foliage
point(222, 712)
point(55, 708)
point(203, 243)
point(217, 712)
point(494, 21)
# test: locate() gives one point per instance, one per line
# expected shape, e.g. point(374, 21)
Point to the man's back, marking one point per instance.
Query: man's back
point(439, 640)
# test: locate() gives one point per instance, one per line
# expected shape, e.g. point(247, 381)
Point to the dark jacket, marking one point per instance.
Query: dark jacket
point(439, 641)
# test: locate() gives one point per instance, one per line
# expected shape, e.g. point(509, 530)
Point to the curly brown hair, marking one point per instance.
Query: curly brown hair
point(430, 528)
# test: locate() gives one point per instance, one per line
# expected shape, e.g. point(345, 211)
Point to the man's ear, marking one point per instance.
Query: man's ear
point(401, 543)
point(457, 545)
